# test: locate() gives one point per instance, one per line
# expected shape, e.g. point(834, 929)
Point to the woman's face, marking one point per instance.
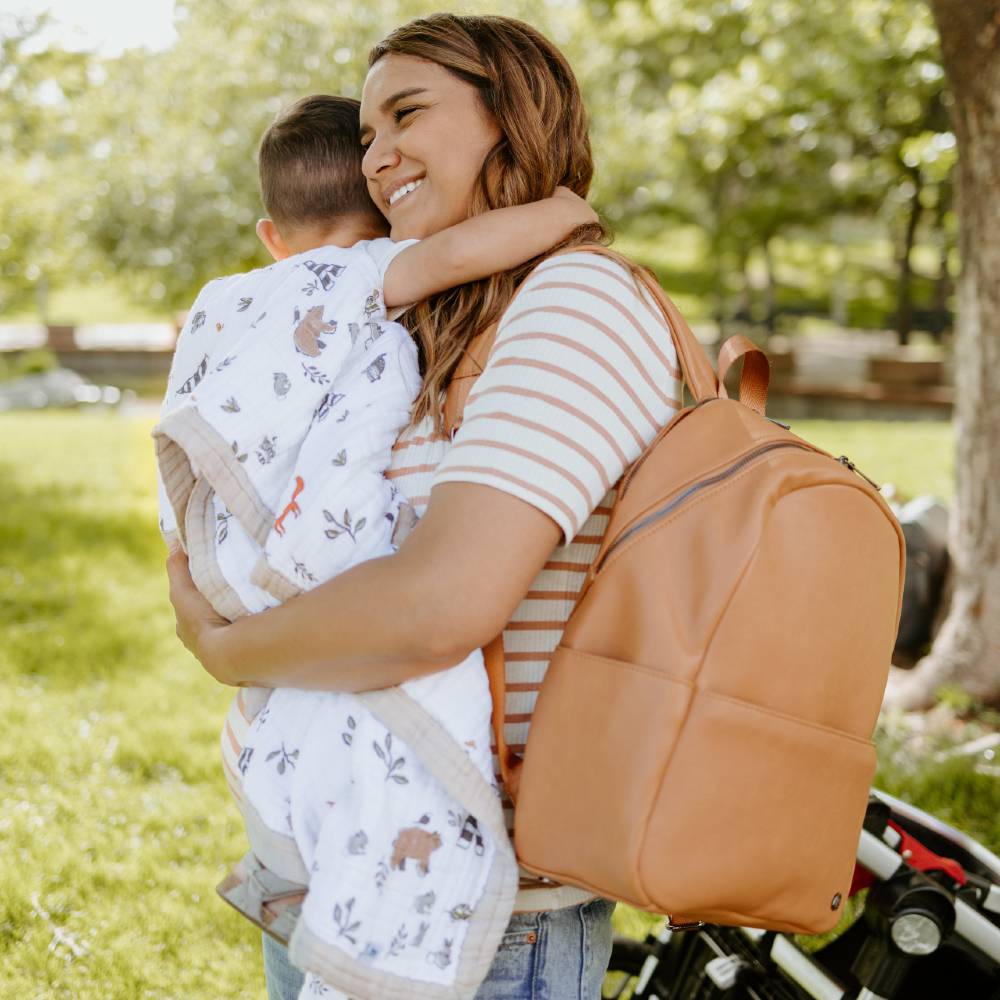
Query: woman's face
point(427, 135)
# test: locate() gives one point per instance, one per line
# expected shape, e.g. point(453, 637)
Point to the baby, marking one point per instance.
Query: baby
point(287, 391)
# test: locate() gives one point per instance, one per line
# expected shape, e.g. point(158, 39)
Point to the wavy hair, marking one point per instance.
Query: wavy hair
point(525, 83)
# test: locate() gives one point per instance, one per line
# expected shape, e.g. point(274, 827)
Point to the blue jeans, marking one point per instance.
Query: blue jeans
point(545, 955)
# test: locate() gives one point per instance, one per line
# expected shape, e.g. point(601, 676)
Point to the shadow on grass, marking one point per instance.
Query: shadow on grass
point(82, 586)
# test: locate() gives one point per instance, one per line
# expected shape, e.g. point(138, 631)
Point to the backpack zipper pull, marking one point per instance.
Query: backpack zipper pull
point(848, 464)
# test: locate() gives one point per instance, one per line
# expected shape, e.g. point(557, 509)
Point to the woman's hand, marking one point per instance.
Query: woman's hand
point(583, 214)
point(198, 624)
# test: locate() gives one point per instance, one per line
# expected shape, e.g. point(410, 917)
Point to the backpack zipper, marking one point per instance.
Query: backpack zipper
point(694, 488)
point(847, 463)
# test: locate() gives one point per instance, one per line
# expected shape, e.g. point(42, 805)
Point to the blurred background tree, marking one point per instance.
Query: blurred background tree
point(760, 182)
point(966, 651)
point(40, 138)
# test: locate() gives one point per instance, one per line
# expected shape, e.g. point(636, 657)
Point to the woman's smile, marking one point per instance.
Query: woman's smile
point(399, 190)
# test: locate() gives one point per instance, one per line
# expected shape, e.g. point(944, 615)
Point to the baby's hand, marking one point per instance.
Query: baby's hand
point(580, 212)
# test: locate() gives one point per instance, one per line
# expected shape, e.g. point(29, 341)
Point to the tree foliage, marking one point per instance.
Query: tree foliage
point(749, 119)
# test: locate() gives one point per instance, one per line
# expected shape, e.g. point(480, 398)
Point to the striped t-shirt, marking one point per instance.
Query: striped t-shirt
point(582, 375)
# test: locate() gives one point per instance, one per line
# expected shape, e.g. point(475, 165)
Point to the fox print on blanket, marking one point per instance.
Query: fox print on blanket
point(291, 508)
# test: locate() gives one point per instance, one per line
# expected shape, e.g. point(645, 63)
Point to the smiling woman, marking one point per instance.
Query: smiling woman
point(460, 115)
point(411, 110)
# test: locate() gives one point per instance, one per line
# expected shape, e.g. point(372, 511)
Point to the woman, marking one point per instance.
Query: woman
point(460, 114)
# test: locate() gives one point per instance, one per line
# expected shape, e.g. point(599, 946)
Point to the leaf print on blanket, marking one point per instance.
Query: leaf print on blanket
point(231, 405)
point(392, 764)
point(344, 919)
point(348, 738)
point(424, 903)
point(341, 459)
point(236, 451)
point(198, 321)
point(225, 363)
point(194, 379)
point(343, 527)
point(243, 305)
point(222, 527)
point(381, 874)
point(398, 942)
point(284, 758)
point(302, 572)
point(418, 940)
point(246, 754)
point(314, 375)
point(358, 842)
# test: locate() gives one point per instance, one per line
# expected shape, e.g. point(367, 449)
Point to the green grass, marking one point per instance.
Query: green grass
point(916, 457)
point(116, 822)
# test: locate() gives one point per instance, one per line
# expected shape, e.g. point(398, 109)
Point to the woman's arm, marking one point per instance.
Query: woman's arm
point(582, 376)
point(452, 587)
point(485, 244)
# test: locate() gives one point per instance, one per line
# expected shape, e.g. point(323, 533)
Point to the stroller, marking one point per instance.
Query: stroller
point(927, 927)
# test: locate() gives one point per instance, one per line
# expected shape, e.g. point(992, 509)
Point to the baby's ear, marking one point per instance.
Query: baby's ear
point(272, 239)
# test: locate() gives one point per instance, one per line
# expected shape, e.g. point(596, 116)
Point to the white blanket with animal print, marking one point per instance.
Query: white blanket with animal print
point(287, 391)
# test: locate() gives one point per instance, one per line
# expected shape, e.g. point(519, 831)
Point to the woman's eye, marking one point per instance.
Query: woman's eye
point(400, 113)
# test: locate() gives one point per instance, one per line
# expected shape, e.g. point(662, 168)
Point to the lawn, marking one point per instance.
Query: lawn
point(116, 822)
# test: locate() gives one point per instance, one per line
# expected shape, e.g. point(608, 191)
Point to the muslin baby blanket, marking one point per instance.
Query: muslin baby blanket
point(287, 391)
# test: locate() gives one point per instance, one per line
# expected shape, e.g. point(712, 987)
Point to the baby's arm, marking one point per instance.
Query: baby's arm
point(483, 245)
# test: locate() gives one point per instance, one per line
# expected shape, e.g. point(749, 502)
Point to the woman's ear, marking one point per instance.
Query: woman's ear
point(272, 239)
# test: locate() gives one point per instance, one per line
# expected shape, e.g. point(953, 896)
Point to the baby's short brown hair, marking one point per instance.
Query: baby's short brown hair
point(310, 164)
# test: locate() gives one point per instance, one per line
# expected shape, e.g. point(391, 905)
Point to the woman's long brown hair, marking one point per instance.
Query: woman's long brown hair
point(526, 85)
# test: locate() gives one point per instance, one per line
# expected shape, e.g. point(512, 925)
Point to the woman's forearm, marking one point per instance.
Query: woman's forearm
point(451, 588)
point(336, 637)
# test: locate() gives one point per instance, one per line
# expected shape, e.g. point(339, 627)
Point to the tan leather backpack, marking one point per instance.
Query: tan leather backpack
point(701, 742)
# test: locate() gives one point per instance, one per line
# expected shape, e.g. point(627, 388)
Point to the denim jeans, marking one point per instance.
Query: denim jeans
point(545, 955)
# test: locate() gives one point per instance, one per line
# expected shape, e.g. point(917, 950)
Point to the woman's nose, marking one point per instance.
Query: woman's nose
point(381, 154)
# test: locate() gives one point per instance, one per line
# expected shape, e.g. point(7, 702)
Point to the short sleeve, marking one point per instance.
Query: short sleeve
point(383, 252)
point(582, 375)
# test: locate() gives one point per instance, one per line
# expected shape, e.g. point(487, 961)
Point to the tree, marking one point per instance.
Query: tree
point(179, 129)
point(730, 130)
point(966, 651)
point(39, 139)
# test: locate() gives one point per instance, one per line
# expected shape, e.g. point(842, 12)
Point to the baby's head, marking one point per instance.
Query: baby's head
point(310, 178)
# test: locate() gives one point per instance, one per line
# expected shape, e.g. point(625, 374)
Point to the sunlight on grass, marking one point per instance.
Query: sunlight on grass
point(116, 822)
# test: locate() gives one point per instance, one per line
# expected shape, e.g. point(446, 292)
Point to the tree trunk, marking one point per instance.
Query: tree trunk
point(942, 283)
point(904, 294)
point(770, 288)
point(966, 652)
